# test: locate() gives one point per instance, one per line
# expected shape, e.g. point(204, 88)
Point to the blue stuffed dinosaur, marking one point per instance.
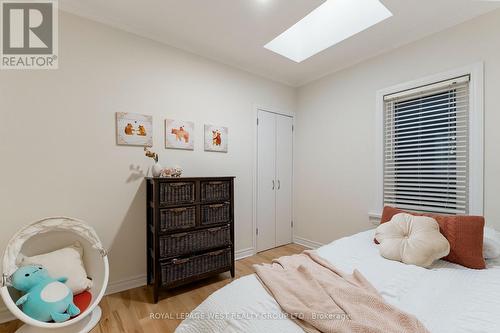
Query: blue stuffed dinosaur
point(45, 299)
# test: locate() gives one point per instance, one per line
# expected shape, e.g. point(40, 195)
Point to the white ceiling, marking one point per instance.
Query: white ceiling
point(234, 31)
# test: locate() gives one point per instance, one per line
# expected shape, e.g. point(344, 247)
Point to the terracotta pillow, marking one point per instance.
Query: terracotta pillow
point(465, 234)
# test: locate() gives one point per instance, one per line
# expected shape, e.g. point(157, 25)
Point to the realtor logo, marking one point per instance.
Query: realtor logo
point(29, 34)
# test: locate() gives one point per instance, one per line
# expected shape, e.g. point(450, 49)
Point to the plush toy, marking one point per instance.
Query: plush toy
point(45, 299)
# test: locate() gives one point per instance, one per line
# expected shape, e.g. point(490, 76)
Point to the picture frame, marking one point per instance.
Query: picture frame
point(216, 138)
point(179, 134)
point(134, 129)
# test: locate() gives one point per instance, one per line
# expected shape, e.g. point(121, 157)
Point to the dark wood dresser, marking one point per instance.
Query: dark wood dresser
point(190, 230)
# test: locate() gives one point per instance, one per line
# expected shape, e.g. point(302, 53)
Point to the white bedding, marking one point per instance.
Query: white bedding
point(446, 298)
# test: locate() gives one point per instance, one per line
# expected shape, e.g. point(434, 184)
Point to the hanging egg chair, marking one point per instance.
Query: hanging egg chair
point(45, 236)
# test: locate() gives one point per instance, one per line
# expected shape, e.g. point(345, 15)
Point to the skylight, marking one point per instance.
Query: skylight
point(327, 25)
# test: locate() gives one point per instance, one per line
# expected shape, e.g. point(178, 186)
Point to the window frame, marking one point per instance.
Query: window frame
point(476, 135)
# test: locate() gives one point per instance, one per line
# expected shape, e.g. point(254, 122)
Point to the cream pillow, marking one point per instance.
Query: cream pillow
point(413, 240)
point(66, 262)
point(491, 243)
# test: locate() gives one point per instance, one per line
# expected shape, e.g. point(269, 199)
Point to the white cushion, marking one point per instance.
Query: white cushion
point(66, 262)
point(491, 243)
point(413, 240)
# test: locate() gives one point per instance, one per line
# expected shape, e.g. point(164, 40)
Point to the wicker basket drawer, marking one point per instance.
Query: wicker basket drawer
point(217, 213)
point(177, 193)
point(215, 190)
point(177, 218)
point(181, 269)
point(179, 244)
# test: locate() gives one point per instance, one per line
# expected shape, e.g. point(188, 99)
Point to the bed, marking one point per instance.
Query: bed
point(446, 298)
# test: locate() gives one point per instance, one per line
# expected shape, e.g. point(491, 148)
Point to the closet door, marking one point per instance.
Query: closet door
point(266, 182)
point(284, 163)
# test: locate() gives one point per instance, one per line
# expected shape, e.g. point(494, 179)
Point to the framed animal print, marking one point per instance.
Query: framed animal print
point(133, 129)
point(216, 138)
point(179, 134)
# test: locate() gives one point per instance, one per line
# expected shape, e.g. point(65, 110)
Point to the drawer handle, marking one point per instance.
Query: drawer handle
point(215, 229)
point(178, 184)
point(179, 235)
point(216, 206)
point(216, 253)
point(215, 183)
point(180, 261)
point(178, 210)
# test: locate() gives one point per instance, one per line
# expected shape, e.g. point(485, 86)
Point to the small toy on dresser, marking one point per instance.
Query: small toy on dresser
point(171, 172)
point(45, 299)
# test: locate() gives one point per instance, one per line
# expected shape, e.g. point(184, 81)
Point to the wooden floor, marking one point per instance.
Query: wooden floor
point(130, 311)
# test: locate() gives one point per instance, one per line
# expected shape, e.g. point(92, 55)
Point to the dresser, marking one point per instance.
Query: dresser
point(190, 230)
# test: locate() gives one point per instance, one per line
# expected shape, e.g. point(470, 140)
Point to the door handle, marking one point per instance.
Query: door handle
point(279, 184)
point(273, 184)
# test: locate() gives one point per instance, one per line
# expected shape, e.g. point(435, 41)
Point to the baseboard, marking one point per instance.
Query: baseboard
point(244, 253)
point(113, 288)
point(306, 242)
point(141, 280)
point(5, 315)
point(126, 284)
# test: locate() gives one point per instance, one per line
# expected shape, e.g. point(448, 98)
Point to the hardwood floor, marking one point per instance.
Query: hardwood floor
point(130, 311)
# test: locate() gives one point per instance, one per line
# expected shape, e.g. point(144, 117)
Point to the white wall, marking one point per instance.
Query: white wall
point(57, 136)
point(335, 128)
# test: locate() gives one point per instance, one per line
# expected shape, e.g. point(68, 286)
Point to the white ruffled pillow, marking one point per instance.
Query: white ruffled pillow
point(66, 262)
point(491, 243)
point(413, 240)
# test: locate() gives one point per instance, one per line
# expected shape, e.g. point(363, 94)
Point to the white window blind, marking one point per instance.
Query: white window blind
point(426, 148)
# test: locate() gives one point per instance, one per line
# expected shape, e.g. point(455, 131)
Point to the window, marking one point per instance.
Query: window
point(426, 148)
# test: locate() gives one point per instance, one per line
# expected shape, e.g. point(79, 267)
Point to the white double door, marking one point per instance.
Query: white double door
point(274, 180)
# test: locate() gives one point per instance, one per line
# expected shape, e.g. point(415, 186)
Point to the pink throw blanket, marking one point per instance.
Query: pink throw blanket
point(320, 298)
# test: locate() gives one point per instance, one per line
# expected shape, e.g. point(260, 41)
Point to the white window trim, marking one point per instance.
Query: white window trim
point(476, 135)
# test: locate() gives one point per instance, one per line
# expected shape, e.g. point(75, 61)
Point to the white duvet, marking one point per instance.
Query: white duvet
point(446, 298)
